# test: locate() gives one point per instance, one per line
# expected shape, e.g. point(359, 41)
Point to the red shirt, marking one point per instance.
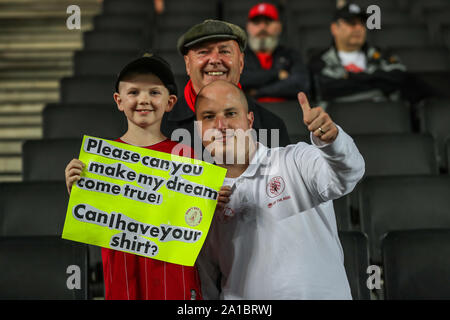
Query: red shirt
point(131, 277)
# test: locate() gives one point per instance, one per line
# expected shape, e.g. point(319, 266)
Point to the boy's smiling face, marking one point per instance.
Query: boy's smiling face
point(144, 99)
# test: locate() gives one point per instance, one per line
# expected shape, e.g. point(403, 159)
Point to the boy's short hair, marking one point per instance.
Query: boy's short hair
point(150, 63)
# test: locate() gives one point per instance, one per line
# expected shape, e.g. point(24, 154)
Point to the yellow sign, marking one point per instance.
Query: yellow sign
point(141, 201)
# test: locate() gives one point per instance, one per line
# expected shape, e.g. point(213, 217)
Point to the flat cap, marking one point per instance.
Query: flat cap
point(211, 30)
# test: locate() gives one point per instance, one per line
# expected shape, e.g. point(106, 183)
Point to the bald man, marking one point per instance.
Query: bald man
point(275, 235)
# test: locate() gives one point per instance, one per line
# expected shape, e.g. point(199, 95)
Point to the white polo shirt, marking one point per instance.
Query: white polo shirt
point(282, 241)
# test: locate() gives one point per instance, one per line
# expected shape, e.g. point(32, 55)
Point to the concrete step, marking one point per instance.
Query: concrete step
point(11, 146)
point(44, 6)
point(27, 84)
point(10, 177)
point(33, 13)
point(37, 54)
point(64, 36)
point(23, 108)
point(50, 45)
point(21, 132)
point(11, 164)
point(44, 96)
point(13, 64)
point(32, 74)
point(20, 119)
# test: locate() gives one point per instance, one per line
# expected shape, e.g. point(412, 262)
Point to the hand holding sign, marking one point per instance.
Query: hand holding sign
point(73, 173)
point(317, 120)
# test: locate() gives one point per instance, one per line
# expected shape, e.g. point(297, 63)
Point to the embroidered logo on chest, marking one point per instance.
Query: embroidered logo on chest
point(275, 187)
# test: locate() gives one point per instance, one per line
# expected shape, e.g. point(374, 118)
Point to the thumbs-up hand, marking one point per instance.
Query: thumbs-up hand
point(317, 120)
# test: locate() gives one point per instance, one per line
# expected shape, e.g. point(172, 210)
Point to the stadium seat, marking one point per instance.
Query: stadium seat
point(291, 114)
point(439, 81)
point(402, 203)
point(356, 261)
point(436, 17)
point(46, 159)
point(41, 268)
point(395, 17)
point(418, 7)
point(180, 22)
point(127, 22)
point(194, 7)
point(87, 89)
point(311, 18)
point(315, 38)
point(417, 265)
point(342, 210)
point(74, 121)
point(428, 59)
point(368, 117)
point(32, 208)
point(435, 117)
point(127, 7)
point(400, 36)
point(166, 39)
point(38, 209)
point(175, 60)
point(311, 5)
point(448, 155)
point(384, 5)
point(119, 40)
point(397, 154)
point(98, 63)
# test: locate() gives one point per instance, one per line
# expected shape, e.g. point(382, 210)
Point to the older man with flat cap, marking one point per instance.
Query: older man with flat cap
point(213, 50)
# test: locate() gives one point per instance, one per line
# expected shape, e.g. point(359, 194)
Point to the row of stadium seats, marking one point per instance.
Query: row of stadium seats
point(375, 126)
point(378, 205)
point(415, 265)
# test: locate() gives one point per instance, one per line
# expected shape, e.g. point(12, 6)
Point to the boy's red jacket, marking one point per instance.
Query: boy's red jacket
point(132, 277)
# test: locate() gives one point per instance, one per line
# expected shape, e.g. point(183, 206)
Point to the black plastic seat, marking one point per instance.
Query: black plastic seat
point(46, 159)
point(366, 117)
point(99, 63)
point(32, 208)
point(74, 121)
point(43, 268)
point(88, 89)
point(127, 7)
point(397, 154)
point(435, 120)
point(291, 113)
point(118, 40)
point(356, 261)
point(417, 265)
point(402, 203)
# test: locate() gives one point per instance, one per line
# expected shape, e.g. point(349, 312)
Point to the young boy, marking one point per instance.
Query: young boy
point(145, 89)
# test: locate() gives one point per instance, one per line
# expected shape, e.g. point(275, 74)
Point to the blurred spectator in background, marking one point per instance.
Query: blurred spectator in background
point(272, 72)
point(352, 70)
point(159, 6)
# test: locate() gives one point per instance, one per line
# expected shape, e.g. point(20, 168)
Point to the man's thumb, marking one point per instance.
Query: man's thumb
point(304, 103)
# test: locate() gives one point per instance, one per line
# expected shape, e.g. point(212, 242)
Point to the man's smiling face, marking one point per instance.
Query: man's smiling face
point(214, 60)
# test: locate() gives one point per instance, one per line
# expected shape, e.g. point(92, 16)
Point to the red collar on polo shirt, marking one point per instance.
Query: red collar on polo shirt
point(190, 95)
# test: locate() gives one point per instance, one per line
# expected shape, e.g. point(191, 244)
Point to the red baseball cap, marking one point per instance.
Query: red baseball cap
point(264, 9)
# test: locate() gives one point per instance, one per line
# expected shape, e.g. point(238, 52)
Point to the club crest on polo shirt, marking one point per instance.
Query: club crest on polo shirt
point(193, 216)
point(275, 187)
